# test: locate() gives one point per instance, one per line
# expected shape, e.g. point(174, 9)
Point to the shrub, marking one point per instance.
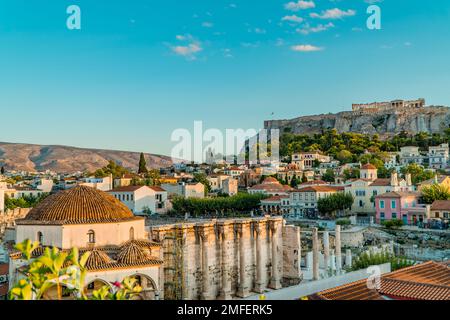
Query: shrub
point(392, 224)
point(343, 222)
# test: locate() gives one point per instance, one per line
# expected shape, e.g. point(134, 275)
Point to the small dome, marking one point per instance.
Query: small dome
point(79, 205)
point(270, 180)
point(131, 254)
point(97, 259)
point(368, 166)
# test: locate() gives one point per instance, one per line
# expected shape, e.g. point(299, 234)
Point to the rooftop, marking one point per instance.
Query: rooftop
point(79, 205)
point(426, 281)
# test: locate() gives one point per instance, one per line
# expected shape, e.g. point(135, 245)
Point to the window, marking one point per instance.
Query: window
point(446, 215)
point(394, 215)
point(131, 233)
point(393, 204)
point(40, 237)
point(382, 216)
point(91, 236)
point(382, 204)
point(132, 197)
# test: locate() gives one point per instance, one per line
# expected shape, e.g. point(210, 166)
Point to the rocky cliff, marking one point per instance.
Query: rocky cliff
point(385, 123)
point(61, 159)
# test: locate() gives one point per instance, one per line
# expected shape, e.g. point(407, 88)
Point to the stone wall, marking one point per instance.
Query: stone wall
point(219, 259)
point(8, 218)
point(382, 122)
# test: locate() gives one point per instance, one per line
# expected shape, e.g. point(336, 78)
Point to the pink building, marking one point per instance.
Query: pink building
point(401, 206)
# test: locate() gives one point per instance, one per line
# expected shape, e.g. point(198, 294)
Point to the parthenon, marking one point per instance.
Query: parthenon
point(382, 106)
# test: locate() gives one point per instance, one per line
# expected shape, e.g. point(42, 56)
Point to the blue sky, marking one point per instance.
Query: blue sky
point(137, 70)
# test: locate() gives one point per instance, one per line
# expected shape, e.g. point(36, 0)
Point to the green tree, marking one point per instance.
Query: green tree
point(340, 201)
point(294, 181)
point(418, 173)
point(304, 178)
point(112, 168)
point(142, 165)
point(63, 270)
point(329, 176)
point(435, 192)
point(203, 179)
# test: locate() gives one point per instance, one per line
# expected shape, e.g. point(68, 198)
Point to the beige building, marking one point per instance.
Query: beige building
point(368, 186)
point(186, 190)
point(95, 222)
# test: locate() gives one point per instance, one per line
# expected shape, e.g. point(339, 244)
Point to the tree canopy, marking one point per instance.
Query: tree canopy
point(435, 192)
point(329, 205)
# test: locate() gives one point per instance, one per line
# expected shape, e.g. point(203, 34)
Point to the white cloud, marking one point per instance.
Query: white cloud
point(257, 30)
point(292, 18)
point(207, 24)
point(335, 13)
point(306, 48)
point(189, 48)
point(299, 5)
point(307, 29)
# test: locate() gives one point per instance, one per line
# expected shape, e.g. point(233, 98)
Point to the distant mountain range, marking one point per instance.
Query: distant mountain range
point(65, 159)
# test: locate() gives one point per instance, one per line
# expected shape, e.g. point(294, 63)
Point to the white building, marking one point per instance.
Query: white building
point(103, 184)
point(142, 199)
point(438, 156)
point(97, 223)
point(223, 183)
point(306, 160)
point(410, 155)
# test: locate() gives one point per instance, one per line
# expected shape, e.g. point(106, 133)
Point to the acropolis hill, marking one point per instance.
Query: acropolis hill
point(383, 118)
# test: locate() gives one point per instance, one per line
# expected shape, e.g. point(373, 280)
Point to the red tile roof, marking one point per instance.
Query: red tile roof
point(126, 189)
point(157, 188)
point(441, 205)
point(426, 281)
point(368, 166)
point(79, 205)
point(321, 189)
point(381, 183)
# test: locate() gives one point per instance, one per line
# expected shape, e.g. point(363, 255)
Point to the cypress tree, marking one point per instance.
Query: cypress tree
point(142, 165)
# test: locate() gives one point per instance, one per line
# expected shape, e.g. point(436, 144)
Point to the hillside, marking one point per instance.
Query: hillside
point(385, 123)
point(63, 159)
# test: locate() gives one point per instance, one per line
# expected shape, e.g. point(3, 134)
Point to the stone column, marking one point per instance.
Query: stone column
point(333, 261)
point(243, 290)
point(338, 249)
point(315, 240)
point(348, 258)
point(204, 235)
point(259, 231)
point(326, 250)
point(224, 235)
point(309, 260)
point(275, 281)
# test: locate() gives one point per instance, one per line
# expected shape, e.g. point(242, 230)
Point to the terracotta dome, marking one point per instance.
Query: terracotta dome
point(97, 259)
point(131, 254)
point(79, 205)
point(368, 166)
point(270, 180)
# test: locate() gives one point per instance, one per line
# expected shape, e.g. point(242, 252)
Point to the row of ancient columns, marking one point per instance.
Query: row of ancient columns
point(240, 233)
point(333, 261)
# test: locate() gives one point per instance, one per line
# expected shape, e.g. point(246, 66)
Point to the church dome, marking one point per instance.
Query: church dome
point(270, 180)
point(79, 205)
